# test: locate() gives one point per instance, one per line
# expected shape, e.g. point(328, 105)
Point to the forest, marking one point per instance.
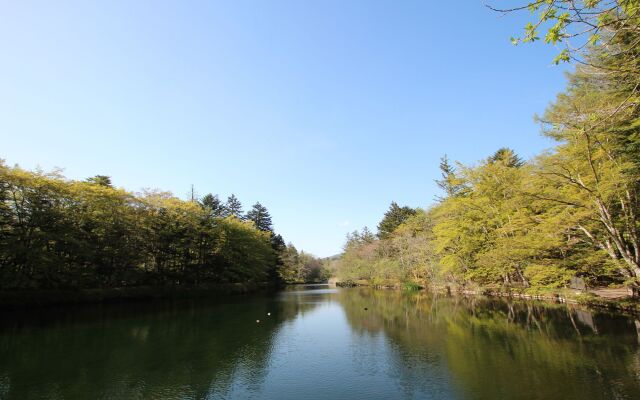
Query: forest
point(63, 234)
point(571, 211)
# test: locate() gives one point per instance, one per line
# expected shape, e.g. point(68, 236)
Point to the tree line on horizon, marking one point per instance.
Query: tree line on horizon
point(64, 234)
point(572, 211)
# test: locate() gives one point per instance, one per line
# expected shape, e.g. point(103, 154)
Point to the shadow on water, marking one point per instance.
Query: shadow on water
point(495, 348)
point(160, 350)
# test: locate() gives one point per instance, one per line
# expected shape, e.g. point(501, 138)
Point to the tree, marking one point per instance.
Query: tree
point(6, 215)
point(366, 236)
point(278, 244)
point(507, 157)
point(260, 216)
point(597, 163)
point(291, 264)
point(592, 177)
point(102, 180)
point(213, 204)
point(395, 216)
point(233, 207)
point(279, 248)
point(58, 233)
point(582, 25)
point(450, 183)
point(412, 245)
point(300, 266)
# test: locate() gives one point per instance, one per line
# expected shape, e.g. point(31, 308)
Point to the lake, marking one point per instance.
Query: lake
point(320, 343)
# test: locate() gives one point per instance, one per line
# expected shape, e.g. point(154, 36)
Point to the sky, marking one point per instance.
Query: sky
point(323, 111)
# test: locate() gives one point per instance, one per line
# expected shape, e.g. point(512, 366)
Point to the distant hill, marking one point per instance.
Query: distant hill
point(332, 258)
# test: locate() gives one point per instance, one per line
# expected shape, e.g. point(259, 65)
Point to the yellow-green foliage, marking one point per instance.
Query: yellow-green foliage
point(56, 233)
point(404, 255)
point(572, 211)
point(298, 267)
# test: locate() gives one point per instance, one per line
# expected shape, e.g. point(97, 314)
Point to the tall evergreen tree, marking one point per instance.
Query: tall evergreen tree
point(102, 180)
point(260, 216)
point(507, 157)
point(366, 236)
point(450, 183)
point(213, 204)
point(233, 207)
point(278, 244)
point(395, 216)
point(276, 271)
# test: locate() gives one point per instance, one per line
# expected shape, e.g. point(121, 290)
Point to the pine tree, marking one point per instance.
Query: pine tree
point(213, 204)
point(260, 216)
point(366, 236)
point(450, 183)
point(395, 216)
point(102, 180)
point(278, 268)
point(507, 157)
point(278, 244)
point(233, 207)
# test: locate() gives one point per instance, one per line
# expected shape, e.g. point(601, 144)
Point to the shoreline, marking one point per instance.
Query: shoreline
point(586, 299)
point(17, 299)
point(21, 299)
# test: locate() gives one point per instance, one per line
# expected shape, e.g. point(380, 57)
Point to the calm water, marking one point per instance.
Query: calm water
point(320, 343)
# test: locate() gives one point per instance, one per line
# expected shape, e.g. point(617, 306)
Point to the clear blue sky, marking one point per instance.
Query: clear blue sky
point(324, 111)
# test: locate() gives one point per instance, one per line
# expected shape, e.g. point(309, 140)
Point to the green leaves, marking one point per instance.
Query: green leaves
point(554, 35)
point(563, 56)
point(609, 25)
point(530, 33)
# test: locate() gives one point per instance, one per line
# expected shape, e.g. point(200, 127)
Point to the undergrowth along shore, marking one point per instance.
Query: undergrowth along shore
point(569, 296)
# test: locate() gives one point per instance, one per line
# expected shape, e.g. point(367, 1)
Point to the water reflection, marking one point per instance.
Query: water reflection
point(506, 349)
point(320, 342)
point(177, 350)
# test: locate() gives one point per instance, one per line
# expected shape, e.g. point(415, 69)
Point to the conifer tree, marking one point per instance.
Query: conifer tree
point(233, 207)
point(213, 204)
point(261, 217)
point(507, 157)
point(366, 236)
point(102, 180)
point(450, 183)
point(395, 216)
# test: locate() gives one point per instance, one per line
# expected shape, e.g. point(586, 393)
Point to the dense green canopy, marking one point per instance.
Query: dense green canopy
point(56, 233)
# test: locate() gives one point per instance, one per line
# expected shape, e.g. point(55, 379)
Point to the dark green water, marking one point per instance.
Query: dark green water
point(320, 343)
